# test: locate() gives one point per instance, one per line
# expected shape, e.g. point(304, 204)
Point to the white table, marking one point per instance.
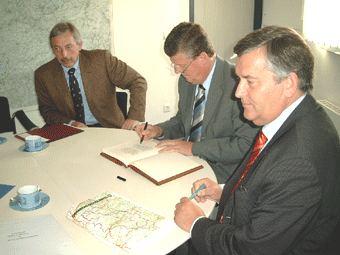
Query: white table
point(72, 170)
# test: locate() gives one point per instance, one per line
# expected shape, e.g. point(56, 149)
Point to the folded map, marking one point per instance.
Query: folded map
point(118, 221)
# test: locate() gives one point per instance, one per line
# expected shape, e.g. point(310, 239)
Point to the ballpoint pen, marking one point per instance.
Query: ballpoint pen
point(196, 192)
point(145, 127)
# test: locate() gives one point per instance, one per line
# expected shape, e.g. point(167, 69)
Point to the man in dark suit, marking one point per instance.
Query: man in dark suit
point(98, 73)
point(226, 136)
point(288, 201)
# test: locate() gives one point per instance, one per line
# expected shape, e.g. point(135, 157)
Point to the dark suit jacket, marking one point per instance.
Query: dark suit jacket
point(226, 135)
point(289, 200)
point(101, 74)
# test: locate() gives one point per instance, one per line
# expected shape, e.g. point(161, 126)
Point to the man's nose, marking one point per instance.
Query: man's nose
point(240, 91)
point(64, 53)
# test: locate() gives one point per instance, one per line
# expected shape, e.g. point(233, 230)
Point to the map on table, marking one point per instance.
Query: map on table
point(119, 221)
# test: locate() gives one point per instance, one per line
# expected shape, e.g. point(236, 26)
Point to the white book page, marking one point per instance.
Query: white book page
point(165, 165)
point(133, 151)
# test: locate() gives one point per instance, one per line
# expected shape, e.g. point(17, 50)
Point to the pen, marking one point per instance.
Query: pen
point(196, 192)
point(121, 178)
point(145, 127)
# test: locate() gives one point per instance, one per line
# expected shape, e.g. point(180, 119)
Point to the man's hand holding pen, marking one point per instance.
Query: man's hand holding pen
point(187, 212)
point(145, 127)
point(170, 146)
point(149, 132)
point(212, 190)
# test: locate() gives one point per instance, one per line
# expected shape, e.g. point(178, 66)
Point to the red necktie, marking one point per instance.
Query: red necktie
point(260, 142)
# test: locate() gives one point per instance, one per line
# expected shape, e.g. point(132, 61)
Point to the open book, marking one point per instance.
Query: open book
point(145, 160)
point(119, 222)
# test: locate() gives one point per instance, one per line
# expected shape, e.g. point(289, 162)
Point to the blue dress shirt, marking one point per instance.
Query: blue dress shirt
point(89, 118)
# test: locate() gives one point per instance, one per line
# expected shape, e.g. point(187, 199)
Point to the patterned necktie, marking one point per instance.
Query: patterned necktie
point(260, 142)
point(76, 96)
point(196, 127)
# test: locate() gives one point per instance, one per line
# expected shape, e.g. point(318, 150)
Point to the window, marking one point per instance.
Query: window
point(321, 23)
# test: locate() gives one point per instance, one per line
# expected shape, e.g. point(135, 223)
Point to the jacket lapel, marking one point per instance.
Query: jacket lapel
point(61, 86)
point(215, 93)
point(190, 106)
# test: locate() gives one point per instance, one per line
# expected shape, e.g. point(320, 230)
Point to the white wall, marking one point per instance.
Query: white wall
point(288, 13)
point(225, 21)
point(326, 78)
point(139, 31)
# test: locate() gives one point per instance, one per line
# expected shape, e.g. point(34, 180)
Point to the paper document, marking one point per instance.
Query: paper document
point(38, 235)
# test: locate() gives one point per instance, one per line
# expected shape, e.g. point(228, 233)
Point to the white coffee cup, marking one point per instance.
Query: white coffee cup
point(33, 143)
point(28, 196)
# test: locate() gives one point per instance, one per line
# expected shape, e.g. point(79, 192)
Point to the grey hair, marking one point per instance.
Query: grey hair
point(287, 53)
point(62, 28)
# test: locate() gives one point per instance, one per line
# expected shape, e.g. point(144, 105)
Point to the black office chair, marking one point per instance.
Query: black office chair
point(122, 102)
point(24, 120)
point(8, 123)
point(5, 116)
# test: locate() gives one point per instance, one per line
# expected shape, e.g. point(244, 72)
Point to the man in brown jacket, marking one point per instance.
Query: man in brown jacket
point(97, 73)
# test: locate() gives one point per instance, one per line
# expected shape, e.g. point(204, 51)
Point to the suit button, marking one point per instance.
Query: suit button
point(242, 188)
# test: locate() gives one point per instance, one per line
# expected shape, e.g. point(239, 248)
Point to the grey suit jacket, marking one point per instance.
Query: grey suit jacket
point(289, 200)
point(101, 74)
point(226, 135)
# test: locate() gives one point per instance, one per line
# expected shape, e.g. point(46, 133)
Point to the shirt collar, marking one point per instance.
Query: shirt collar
point(270, 129)
point(75, 66)
point(207, 82)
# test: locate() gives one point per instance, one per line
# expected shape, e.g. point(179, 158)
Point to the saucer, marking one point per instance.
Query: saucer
point(2, 140)
point(23, 147)
point(44, 200)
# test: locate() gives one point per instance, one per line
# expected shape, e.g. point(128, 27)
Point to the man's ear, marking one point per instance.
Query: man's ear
point(203, 56)
point(291, 84)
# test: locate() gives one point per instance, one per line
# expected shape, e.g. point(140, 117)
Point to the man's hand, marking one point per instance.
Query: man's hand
point(78, 124)
point(213, 191)
point(150, 132)
point(186, 213)
point(180, 146)
point(130, 124)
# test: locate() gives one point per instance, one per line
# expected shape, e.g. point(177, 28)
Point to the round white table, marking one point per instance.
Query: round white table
point(71, 170)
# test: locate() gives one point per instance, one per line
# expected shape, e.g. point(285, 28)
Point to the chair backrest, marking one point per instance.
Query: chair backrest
point(24, 120)
point(6, 124)
point(122, 102)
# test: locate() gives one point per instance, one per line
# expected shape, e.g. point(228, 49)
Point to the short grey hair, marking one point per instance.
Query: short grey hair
point(62, 28)
point(190, 39)
point(287, 52)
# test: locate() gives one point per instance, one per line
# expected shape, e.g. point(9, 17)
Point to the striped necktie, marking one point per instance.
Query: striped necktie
point(260, 142)
point(76, 96)
point(197, 122)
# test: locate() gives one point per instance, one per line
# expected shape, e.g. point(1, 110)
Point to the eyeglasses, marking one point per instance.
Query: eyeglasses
point(182, 72)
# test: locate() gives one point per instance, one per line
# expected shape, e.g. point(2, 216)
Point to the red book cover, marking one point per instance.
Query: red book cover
point(52, 133)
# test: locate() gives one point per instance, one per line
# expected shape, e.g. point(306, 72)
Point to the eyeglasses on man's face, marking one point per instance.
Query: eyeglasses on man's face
point(182, 72)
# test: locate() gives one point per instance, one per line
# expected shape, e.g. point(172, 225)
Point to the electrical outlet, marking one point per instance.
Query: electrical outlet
point(166, 108)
